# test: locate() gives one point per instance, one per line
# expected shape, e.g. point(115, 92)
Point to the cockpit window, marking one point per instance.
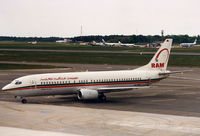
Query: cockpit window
point(18, 82)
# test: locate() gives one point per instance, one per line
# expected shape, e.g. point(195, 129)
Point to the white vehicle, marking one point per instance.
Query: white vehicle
point(111, 44)
point(93, 85)
point(189, 44)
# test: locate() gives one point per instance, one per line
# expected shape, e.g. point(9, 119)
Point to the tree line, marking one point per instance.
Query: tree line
point(28, 39)
point(139, 39)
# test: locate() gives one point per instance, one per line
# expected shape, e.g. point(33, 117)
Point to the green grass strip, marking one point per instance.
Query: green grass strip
point(95, 58)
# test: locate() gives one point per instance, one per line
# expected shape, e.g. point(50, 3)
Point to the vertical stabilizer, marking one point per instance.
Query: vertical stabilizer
point(195, 42)
point(159, 61)
point(103, 41)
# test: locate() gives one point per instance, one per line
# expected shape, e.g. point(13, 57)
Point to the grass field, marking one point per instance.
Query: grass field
point(56, 46)
point(4, 66)
point(94, 58)
point(63, 46)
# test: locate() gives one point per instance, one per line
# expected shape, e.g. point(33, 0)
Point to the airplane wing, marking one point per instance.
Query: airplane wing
point(115, 89)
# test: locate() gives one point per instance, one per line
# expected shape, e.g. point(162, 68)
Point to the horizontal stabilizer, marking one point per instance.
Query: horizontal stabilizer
point(174, 72)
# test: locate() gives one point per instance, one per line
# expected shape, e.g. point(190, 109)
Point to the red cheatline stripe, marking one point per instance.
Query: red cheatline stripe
point(61, 86)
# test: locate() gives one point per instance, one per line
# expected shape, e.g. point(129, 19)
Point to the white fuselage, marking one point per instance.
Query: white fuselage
point(127, 44)
point(112, 44)
point(70, 83)
point(188, 44)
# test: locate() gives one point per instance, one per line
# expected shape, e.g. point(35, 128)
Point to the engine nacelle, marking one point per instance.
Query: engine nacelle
point(87, 94)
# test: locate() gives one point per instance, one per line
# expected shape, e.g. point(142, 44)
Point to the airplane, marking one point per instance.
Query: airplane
point(94, 43)
point(189, 44)
point(127, 44)
point(111, 44)
point(33, 42)
point(93, 85)
point(62, 41)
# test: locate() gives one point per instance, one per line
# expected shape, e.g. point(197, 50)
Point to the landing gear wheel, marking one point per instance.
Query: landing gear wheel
point(24, 101)
point(102, 97)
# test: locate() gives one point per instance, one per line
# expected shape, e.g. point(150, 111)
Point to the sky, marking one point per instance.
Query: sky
point(64, 18)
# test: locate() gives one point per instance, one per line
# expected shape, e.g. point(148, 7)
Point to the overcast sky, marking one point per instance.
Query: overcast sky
point(98, 17)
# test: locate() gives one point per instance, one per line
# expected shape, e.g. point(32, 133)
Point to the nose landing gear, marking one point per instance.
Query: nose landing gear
point(24, 101)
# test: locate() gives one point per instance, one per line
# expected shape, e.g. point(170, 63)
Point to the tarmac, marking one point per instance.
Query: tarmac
point(169, 108)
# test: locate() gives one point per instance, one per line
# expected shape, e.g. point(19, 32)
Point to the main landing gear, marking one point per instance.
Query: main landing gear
point(24, 101)
point(102, 97)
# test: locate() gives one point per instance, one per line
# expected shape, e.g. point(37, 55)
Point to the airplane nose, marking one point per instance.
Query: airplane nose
point(5, 87)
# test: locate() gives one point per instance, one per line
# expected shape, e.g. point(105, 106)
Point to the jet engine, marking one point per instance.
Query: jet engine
point(87, 94)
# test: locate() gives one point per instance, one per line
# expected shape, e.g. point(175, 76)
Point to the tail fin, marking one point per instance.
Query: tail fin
point(195, 42)
point(104, 43)
point(160, 59)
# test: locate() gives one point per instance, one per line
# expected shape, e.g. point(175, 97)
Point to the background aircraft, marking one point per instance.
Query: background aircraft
point(189, 44)
point(127, 44)
point(111, 44)
point(94, 43)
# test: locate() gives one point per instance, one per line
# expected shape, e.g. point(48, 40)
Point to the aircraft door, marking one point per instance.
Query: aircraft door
point(33, 83)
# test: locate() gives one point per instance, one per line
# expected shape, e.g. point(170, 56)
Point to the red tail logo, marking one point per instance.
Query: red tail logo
point(165, 49)
point(157, 65)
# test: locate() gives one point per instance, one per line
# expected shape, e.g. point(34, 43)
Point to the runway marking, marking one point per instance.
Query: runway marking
point(163, 100)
